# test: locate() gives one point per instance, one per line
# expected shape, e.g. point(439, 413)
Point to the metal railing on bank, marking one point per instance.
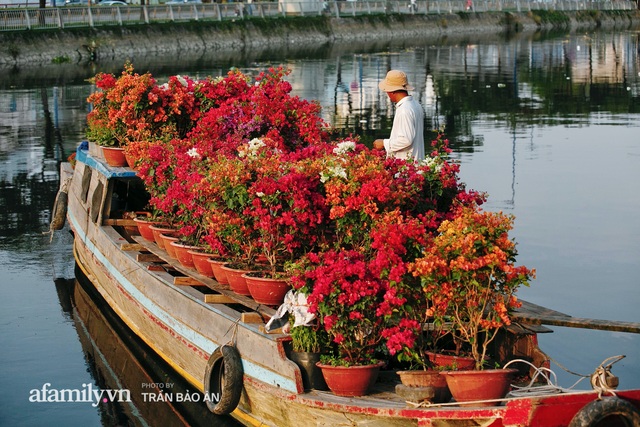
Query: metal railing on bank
point(33, 18)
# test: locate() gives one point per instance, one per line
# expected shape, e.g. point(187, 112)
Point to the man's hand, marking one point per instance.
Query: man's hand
point(378, 144)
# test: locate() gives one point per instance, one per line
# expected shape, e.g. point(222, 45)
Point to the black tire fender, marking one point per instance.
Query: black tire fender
point(223, 379)
point(59, 213)
point(597, 413)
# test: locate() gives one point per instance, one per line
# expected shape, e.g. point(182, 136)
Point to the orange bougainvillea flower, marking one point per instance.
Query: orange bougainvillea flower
point(473, 259)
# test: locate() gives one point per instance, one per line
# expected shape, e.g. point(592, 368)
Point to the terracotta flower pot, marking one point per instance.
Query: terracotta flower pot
point(201, 262)
point(144, 228)
point(159, 229)
point(218, 273)
point(114, 156)
point(352, 380)
point(183, 255)
point(422, 378)
point(237, 282)
point(452, 362)
point(427, 379)
point(479, 385)
point(265, 290)
point(130, 161)
point(134, 230)
point(167, 239)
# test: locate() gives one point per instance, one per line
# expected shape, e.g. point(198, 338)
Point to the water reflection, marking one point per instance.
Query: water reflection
point(119, 361)
point(542, 81)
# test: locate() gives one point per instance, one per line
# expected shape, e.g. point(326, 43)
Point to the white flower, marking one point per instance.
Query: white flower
point(193, 152)
point(333, 171)
point(260, 194)
point(255, 144)
point(251, 148)
point(434, 163)
point(344, 147)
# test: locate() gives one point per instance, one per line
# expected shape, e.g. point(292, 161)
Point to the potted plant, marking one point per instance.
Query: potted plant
point(309, 343)
point(346, 296)
point(288, 206)
point(468, 271)
point(408, 340)
point(409, 332)
point(421, 380)
point(109, 123)
point(132, 107)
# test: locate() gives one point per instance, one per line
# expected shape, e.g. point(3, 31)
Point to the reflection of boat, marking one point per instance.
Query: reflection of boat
point(118, 360)
point(216, 339)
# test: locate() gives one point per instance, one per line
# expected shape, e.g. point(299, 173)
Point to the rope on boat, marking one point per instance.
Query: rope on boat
point(549, 377)
point(234, 338)
point(602, 381)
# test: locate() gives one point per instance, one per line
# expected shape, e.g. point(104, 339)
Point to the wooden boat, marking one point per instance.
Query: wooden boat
point(216, 339)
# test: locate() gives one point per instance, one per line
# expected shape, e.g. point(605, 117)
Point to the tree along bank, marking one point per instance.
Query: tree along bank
point(77, 45)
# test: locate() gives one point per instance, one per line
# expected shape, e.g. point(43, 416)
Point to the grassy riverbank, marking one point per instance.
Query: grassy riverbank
point(109, 43)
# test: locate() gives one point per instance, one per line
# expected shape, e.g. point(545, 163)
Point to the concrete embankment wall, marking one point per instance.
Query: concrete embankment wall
point(108, 43)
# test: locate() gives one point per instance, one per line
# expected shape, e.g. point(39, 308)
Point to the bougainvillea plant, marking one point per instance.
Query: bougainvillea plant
point(379, 245)
point(344, 294)
point(287, 207)
point(235, 110)
point(468, 273)
point(228, 231)
point(133, 107)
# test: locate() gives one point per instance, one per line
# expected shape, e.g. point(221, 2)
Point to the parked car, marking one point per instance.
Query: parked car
point(112, 3)
point(183, 1)
point(76, 2)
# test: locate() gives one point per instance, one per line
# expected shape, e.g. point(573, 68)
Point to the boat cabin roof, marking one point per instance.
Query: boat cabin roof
point(82, 155)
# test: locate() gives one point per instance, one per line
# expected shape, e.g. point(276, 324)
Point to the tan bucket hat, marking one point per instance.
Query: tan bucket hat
point(395, 80)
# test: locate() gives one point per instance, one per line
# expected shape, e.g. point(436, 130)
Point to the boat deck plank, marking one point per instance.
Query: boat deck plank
point(266, 312)
point(147, 257)
point(217, 299)
point(381, 395)
point(187, 281)
point(538, 315)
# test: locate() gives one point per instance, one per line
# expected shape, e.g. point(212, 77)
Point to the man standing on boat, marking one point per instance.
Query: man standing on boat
point(407, 133)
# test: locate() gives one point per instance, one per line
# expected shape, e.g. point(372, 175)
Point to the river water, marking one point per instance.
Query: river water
point(547, 125)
